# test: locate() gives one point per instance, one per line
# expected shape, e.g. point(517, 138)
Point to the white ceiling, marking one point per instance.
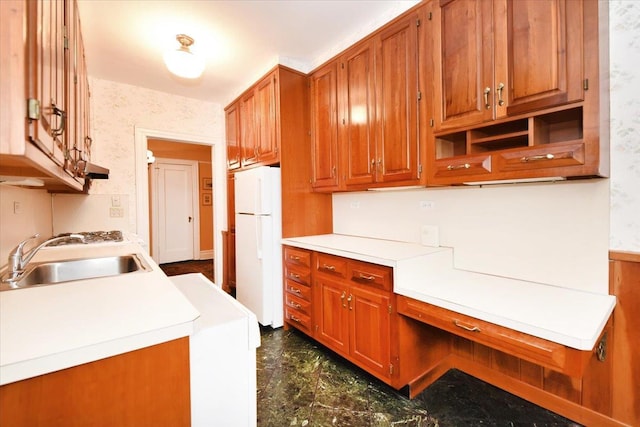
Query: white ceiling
point(240, 40)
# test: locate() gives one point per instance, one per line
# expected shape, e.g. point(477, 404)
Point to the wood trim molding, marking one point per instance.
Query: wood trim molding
point(624, 256)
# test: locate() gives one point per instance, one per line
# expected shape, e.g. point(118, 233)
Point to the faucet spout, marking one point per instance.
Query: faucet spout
point(18, 260)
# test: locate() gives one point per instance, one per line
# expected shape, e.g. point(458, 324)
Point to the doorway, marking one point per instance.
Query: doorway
point(180, 201)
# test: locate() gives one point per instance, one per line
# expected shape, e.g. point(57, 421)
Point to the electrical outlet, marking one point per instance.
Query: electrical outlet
point(426, 205)
point(430, 235)
point(116, 212)
point(115, 201)
point(17, 208)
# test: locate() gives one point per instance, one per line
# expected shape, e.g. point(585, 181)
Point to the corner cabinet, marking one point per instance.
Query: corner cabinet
point(516, 91)
point(45, 121)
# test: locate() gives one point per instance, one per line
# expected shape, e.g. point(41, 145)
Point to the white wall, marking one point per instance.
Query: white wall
point(33, 216)
point(554, 233)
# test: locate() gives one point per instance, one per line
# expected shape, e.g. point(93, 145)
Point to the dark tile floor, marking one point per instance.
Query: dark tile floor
point(204, 266)
point(301, 383)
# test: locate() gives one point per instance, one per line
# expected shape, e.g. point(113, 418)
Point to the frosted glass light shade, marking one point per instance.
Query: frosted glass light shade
point(182, 62)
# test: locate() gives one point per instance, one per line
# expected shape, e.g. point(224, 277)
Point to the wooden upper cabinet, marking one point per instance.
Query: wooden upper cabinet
point(544, 53)
point(46, 41)
point(500, 58)
point(357, 115)
point(248, 129)
point(266, 110)
point(397, 102)
point(232, 125)
point(324, 127)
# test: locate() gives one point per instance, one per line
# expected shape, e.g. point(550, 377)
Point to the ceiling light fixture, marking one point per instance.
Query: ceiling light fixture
point(182, 62)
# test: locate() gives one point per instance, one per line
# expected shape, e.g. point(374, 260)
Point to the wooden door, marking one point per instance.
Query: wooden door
point(370, 330)
point(267, 138)
point(248, 129)
point(397, 101)
point(324, 127)
point(539, 53)
point(463, 63)
point(356, 91)
point(46, 77)
point(332, 320)
point(232, 126)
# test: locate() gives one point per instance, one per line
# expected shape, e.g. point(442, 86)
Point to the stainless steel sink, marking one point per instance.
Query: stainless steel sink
point(49, 273)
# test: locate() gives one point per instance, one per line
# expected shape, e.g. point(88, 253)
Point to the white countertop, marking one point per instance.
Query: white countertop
point(567, 316)
point(48, 328)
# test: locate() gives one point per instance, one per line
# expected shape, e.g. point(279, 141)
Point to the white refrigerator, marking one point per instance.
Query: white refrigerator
point(258, 248)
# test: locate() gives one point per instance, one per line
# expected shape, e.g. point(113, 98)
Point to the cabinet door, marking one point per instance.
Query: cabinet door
point(370, 329)
point(267, 138)
point(79, 139)
point(332, 320)
point(46, 77)
point(248, 129)
point(324, 127)
point(357, 112)
point(397, 101)
point(232, 126)
point(539, 51)
point(463, 63)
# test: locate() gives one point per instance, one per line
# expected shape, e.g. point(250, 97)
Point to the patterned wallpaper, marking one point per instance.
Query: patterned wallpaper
point(624, 26)
point(118, 108)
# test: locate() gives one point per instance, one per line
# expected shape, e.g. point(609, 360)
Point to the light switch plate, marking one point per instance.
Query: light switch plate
point(430, 235)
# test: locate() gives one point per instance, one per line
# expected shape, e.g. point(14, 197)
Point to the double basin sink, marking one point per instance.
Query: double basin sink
point(50, 273)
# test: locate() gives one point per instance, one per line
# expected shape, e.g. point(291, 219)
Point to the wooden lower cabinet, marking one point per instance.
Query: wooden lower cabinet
point(146, 387)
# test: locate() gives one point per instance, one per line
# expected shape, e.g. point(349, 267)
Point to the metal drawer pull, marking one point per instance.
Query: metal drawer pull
point(294, 258)
point(295, 305)
point(329, 267)
point(295, 290)
point(465, 327)
point(294, 275)
point(342, 297)
point(349, 300)
point(369, 278)
point(535, 158)
point(295, 319)
point(454, 167)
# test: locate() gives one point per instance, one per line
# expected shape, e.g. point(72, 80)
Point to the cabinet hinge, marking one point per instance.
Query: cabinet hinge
point(390, 369)
point(65, 38)
point(419, 170)
point(276, 150)
point(585, 84)
point(343, 121)
point(419, 95)
point(417, 22)
point(342, 65)
point(601, 348)
point(33, 109)
point(389, 308)
point(431, 122)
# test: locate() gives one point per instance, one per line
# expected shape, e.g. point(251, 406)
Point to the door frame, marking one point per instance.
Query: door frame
point(195, 206)
point(218, 163)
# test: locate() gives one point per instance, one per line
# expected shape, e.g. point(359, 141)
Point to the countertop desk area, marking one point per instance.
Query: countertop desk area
point(566, 316)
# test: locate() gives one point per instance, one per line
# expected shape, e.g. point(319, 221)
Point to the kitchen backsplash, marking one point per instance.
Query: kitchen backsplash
point(555, 233)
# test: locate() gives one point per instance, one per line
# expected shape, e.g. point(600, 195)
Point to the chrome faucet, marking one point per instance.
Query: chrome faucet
point(18, 260)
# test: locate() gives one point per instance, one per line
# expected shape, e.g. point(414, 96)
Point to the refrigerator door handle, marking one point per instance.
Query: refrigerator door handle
point(257, 209)
point(258, 237)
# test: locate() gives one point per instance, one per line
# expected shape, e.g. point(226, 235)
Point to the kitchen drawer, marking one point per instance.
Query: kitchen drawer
point(300, 275)
point(295, 256)
point(298, 319)
point(533, 349)
point(330, 264)
point(547, 156)
point(462, 166)
point(373, 275)
point(299, 304)
point(297, 289)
